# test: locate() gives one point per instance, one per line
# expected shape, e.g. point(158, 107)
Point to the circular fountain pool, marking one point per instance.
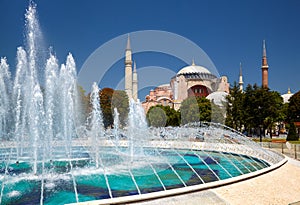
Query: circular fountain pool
point(157, 170)
point(116, 175)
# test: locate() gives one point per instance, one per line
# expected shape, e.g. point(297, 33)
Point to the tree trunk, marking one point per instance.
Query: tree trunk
point(260, 134)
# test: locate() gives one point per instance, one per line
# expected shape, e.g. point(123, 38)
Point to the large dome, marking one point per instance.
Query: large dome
point(193, 69)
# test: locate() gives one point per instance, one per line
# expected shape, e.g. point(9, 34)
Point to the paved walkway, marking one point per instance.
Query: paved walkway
point(281, 186)
point(278, 187)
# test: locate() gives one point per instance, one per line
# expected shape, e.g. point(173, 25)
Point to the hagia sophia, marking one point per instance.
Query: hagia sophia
point(191, 80)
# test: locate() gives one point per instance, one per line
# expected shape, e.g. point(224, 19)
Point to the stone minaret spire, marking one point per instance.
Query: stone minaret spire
point(134, 83)
point(128, 69)
point(241, 83)
point(264, 67)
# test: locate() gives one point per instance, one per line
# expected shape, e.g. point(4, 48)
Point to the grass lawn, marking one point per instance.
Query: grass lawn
point(278, 140)
point(295, 142)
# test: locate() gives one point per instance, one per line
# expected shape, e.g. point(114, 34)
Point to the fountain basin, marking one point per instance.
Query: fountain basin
point(162, 168)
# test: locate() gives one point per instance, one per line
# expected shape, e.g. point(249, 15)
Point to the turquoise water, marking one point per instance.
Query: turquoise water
point(155, 170)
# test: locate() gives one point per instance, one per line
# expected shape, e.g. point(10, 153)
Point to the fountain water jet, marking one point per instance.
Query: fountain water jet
point(96, 123)
point(4, 100)
point(116, 127)
point(51, 73)
point(137, 127)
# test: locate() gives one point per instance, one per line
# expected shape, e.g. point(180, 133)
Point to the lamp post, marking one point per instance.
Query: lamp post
point(260, 133)
point(260, 124)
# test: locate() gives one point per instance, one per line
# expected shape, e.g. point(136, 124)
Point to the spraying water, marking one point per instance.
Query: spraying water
point(35, 111)
point(18, 99)
point(4, 100)
point(116, 127)
point(95, 123)
point(137, 127)
point(51, 77)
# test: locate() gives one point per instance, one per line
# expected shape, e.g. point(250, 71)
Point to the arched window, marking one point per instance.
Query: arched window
point(198, 90)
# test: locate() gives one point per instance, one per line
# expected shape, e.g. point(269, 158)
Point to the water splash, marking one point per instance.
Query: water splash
point(40, 115)
point(137, 129)
point(51, 89)
point(18, 99)
point(5, 98)
point(116, 132)
point(95, 131)
point(67, 98)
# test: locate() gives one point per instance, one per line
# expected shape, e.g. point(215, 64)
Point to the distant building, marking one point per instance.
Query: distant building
point(286, 97)
point(193, 80)
point(131, 78)
point(264, 67)
point(241, 82)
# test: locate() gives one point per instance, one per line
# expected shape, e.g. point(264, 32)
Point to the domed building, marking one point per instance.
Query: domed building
point(287, 96)
point(192, 80)
point(161, 95)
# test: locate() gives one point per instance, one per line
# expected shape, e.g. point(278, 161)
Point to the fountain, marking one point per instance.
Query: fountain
point(44, 160)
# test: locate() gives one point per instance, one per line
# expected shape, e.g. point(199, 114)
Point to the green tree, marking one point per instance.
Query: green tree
point(257, 109)
point(195, 109)
point(250, 108)
point(262, 108)
point(273, 112)
point(121, 102)
point(218, 113)
point(235, 115)
point(293, 112)
point(156, 116)
point(109, 99)
point(294, 108)
point(284, 112)
point(292, 135)
point(173, 116)
point(159, 115)
point(106, 95)
point(85, 104)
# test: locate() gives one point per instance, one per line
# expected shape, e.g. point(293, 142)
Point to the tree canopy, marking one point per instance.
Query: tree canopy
point(235, 115)
point(294, 108)
point(159, 115)
point(257, 108)
point(293, 115)
point(195, 109)
point(109, 99)
point(292, 135)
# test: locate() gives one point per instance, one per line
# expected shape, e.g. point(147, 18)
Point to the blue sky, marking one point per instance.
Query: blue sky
point(229, 32)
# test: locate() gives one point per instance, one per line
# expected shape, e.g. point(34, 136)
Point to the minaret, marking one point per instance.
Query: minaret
point(134, 83)
point(241, 83)
point(128, 69)
point(264, 67)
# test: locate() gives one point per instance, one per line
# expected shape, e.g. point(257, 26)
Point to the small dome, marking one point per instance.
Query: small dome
point(287, 96)
point(193, 69)
point(164, 85)
point(218, 97)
